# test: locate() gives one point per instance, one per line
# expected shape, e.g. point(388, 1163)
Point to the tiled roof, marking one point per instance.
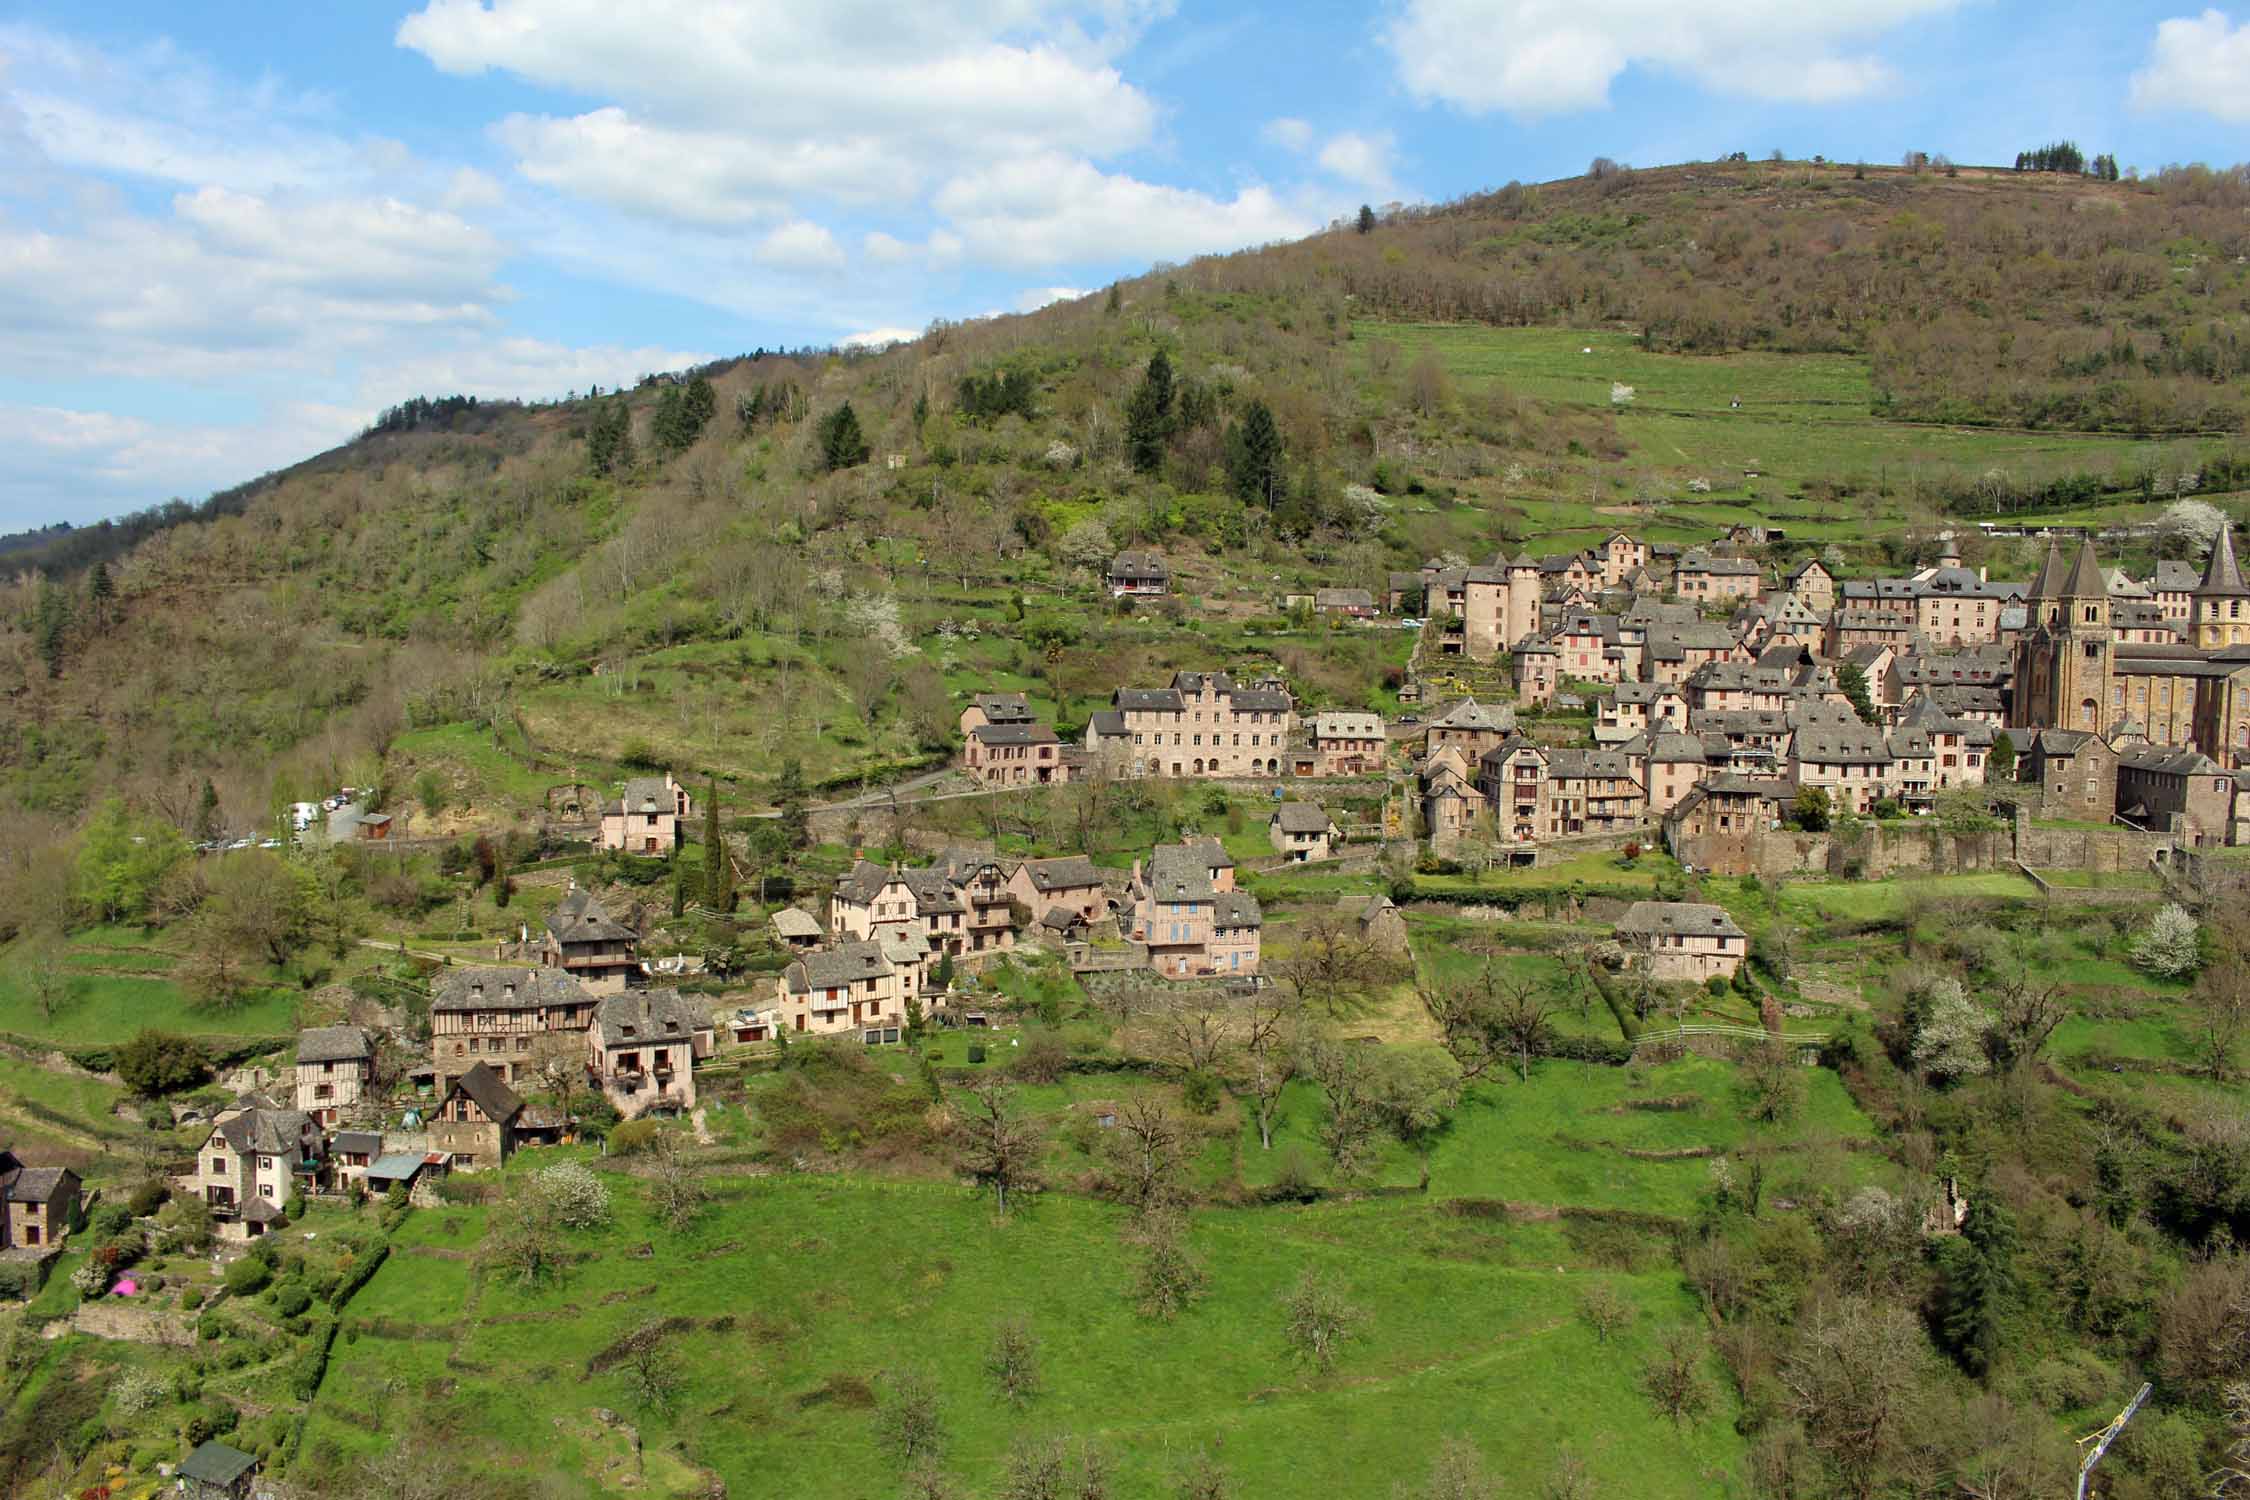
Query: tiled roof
point(838, 966)
point(647, 1016)
point(1301, 817)
point(1677, 918)
point(479, 987)
point(332, 1044)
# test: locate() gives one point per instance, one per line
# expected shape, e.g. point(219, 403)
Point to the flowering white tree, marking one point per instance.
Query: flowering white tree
point(1620, 394)
point(1950, 1043)
point(1088, 544)
point(580, 1199)
point(876, 617)
point(2169, 947)
point(2186, 524)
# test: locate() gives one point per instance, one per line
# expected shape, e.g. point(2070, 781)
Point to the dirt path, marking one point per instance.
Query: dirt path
point(703, 1135)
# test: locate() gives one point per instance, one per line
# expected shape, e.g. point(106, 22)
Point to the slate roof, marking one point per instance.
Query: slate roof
point(1146, 698)
point(1676, 918)
point(333, 1044)
point(647, 1016)
point(844, 964)
point(1182, 872)
point(1301, 817)
point(1347, 725)
point(580, 918)
point(1737, 567)
point(367, 1143)
point(792, 923)
point(499, 1102)
point(216, 1463)
point(1644, 692)
point(2085, 580)
point(864, 883)
point(1576, 764)
point(265, 1132)
point(1667, 748)
point(1343, 599)
point(1014, 734)
point(2222, 575)
point(2062, 741)
point(1236, 909)
point(2168, 760)
point(1106, 723)
point(1004, 708)
point(1139, 565)
point(650, 794)
point(1831, 745)
point(456, 988)
point(1075, 872)
point(35, 1184)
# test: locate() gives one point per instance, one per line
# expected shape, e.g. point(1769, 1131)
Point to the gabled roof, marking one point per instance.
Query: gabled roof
point(1347, 724)
point(333, 1044)
point(1013, 734)
point(1072, 873)
point(844, 964)
point(36, 1184)
point(1677, 918)
point(1302, 817)
point(359, 1142)
point(1003, 708)
point(579, 918)
point(499, 1102)
point(1182, 872)
point(2222, 575)
point(789, 922)
point(647, 1016)
point(1138, 565)
point(265, 1132)
point(2174, 578)
point(865, 882)
point(2168, 760)
point(1236, 909)
point(482, 987)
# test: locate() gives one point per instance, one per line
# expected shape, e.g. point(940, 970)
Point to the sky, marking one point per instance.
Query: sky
point(230, 234)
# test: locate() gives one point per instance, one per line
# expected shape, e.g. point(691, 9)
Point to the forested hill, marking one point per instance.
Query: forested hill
point(689, 573)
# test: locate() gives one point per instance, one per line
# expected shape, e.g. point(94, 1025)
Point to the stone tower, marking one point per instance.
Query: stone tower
point(2219, 609)
point(2086, 664)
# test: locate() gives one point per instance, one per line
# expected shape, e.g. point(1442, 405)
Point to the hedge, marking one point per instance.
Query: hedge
point(313, 1365)
point(357, 1276)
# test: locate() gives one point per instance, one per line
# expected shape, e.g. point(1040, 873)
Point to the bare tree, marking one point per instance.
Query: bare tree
point(907, 1420)
point(2222, 1015)
point(676, 1189)
point(1673, 1377)
point(1000, 1148)
point(1853, 1380)
point(1490, 1018)
point(652, 1371)
point(46, 972)
point(1270, 1050)
point(2025, 1014)
point(1168, 1277)
point(1013, 1361)
point(1458, 1472)
point(1331, 967)
point(523, 1236)
point(1144, 1155)
point(1317, 1320)
point(1193, 1030)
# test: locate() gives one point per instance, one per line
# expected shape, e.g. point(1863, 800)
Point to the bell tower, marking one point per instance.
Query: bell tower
point(2087, 665)
point(2219, 609)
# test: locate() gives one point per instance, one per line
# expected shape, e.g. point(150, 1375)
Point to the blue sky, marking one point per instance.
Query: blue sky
point(230, 233)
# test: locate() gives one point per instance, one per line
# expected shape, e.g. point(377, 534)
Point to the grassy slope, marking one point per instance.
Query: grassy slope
point(1470, 1329)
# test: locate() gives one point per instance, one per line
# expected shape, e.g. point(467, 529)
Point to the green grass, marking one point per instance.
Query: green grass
point(2102, 880)
point(1470, 1329)
point(106, 1008)
point(1875, 900)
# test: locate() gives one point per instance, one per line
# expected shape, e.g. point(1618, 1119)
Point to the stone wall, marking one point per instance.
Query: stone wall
point(1878, 852)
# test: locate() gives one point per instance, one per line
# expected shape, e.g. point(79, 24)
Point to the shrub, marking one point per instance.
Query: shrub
point(1200, 1092)
point(109, 1221)
point(632, 1138)
point(1715, 986)
point(212, 1419)
point(148, 1196)
point(976, 1054)
point(580, 1199)
point(290, 1299)
point(191, 1299)
point(248, 1276)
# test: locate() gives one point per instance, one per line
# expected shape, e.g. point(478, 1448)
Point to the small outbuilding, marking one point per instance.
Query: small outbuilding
point(216, 1471)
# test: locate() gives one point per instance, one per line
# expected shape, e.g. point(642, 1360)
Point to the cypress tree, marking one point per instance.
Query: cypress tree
point(714, 852)
point(789, 791)
point(1148, 415)
point(1366, 219)
point(1254, 456)
point(842, 444)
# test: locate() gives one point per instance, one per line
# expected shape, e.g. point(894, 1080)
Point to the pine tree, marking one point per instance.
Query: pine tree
point(1366, 219)
point(1852, 679)
point(207, 811)
point(1148, 415)
point(2000, 765)
point(99, 590)
point(842, 444)
point(609, 438)
point(698, 406)
point(51, 627)
point(1254, 456)
point(921, 410)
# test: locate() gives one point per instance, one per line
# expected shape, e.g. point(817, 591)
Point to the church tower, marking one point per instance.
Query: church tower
point(2083, 648)
point(2219, 609)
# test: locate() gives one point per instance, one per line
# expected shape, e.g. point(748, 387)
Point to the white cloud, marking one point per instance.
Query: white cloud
point(1364, 161)
point(1287, 133)
point(1034, 298)
point(801, 246)
point(885, 249)
point(1534, 57)
point(879, 338)
point(727, 113)
point(126, 462)
point(1050, 210)
point(2199, 63)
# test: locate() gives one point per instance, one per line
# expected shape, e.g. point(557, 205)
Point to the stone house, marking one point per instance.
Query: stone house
point(255, 1160)
point(497, 1017)
point(2175, 788)
point(1621, 557)
point(1188, 914)
point(2075, 772)
point(1637, 708)
point(38, 1205)
point(1721, 824)
point(1138, 575)
point(1347, 743)
point(1353, 604)
point(995, 708)
point(1535, 669)
point(1302, 831)
point(646, 819)
point(1672, 652)
point(1015, 755)
point(1469, 726)
point(642, 1048)
point(2172, 586)
point(1682, 940)
point(1852, 763)
point(583, 940)
point(1812, 585)
point(334, 1065)
point(476, 1119)
point(351, 1153)
point(1670, 764)
point(1377, 920)
point(850, 988)
point(1204, 724)
point(1705, 578)
point(1072, 884)
point(1450, 801)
